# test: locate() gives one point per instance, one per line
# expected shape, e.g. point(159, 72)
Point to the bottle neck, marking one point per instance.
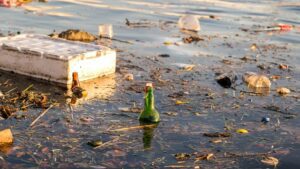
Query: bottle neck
point(149, 100)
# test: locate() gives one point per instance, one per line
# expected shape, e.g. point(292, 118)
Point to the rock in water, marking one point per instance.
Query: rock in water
point(189, 22)
point(77, 35)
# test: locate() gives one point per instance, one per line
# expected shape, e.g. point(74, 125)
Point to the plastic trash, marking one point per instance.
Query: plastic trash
point(265, 120)
point(55, 59)
point(106, 31)
point(189, 22)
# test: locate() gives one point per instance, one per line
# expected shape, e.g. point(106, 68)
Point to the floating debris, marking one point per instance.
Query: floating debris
point(6, 137)
point(242, 131)
point(265, 120)
point(149, 114)
point(77, 35)
point(270, 161)
point(226, 80)
point(189, 22)
point(129, 77)
point(283, 91)
point(182, 156)
point(95, 143)
point(256, 81)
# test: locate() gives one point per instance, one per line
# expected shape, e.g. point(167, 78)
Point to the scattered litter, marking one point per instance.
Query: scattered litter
point(167, 43)
point(216, 141)
point(265, 120)
point(134, 127)
point(95, 143)
point(180, 102)
point(6, 137)
point(164, 55)
point(6, 111)
point(217, 134)
point(270, 161)
point(226, 80)
point(131, 109)
point(242, 131)
point(41, 115)
point(204, 157)
point(129, 77)
point(192, 39)
point(283, 91)
point(183, 66)
point(189, 22)
point(256, 81)
point(105, 31)
point(182, 156)
point(283, 66)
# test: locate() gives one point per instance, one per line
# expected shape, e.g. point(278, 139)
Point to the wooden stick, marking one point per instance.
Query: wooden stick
point(41, 115)
point(134, 127)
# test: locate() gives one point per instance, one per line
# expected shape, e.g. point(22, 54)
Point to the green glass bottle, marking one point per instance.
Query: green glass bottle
point(149, 114)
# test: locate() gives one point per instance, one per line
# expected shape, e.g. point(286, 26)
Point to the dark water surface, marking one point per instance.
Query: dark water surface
point(60, 141)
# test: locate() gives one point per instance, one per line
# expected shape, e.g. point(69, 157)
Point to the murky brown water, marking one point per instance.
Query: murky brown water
point(59, 139)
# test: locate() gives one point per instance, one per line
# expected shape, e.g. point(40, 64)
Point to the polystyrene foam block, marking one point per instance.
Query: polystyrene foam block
point(55, 59)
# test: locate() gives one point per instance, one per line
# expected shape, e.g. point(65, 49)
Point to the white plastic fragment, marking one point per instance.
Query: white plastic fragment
point(189, 22)
point(55, 59)
point(106, 31)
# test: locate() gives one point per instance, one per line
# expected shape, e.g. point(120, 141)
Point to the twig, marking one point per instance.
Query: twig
point(10, 91)
point(41, 115)
point(135, 127)
point(25, 90)
point(118, 40)
point(107, 143)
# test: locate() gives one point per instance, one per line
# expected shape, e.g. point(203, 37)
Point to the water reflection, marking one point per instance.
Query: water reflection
point(148, 134)
point(262, 91)
point(101, 88)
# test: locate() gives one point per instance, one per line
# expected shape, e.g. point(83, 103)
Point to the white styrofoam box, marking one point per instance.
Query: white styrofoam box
point(55, 59)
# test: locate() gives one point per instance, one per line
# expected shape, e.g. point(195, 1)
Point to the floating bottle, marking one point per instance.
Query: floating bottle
point(149, 114)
